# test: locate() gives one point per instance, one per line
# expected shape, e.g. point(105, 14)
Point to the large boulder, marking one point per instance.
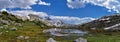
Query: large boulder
point(5, 22)
point(51, 40)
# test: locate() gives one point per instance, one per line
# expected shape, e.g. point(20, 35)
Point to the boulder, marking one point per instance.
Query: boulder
point(80, 40)
point(26, 37)
point(1, 27)
point(13, 29)
point(5, 22)
point(51, 40)
point(20, 37)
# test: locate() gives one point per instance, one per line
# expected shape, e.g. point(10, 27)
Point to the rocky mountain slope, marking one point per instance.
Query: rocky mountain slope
point(47, 21)
point(19, 29)
point(15, 28)
point(111, 22)
point(8, 18)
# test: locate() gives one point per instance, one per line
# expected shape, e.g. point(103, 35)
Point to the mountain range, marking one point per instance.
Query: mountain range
point(110, 22)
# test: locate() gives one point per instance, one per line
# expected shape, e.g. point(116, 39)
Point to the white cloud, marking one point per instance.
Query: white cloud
point(3, 10)
point(72, 20)
point(44, 3)
point(17, 3)
point(109, 4)
point(26, 12)
point(24, 4)
point(66, 19)
point(75, 3)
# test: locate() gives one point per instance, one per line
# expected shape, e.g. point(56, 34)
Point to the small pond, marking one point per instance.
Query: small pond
point(64, 32)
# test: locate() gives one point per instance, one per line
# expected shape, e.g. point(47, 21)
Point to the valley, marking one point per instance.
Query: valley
point(13, 29)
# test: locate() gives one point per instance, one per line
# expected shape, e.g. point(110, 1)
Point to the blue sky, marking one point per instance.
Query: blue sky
point(59, 8)
point(72, 10)
point(63, 10)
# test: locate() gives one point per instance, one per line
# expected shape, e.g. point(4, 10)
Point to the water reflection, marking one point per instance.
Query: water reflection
point(64, 32)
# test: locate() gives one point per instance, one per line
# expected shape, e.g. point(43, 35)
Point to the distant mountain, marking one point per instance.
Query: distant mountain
point(48, 21)
point(72, 20)
point(111, 22)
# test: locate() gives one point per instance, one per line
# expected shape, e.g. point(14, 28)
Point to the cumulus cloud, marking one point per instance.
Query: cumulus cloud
point(27, 12)
point(75, 3)
point(109, 4)
point(44, 3)
point(72, 20)
point(3, 10)
point(24, 4)
point(17, 3)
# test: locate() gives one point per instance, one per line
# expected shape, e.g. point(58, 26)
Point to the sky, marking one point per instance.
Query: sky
point(70, 11)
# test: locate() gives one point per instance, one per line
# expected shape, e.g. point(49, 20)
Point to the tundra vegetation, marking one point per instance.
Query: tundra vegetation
point(17, 30)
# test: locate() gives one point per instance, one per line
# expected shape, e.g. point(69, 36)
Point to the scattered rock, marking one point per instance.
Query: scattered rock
point(18, 24)
point(26, 37)
point(5, 26)
point(42, 26)
point(80, 40)
point(1, 33)
point(7, 31)
point(20, 37)
point(23, 37)
point(5, 22)
point(93, 28)
point(33, 17)
point(13, 29)
point(1, 27)
point(51, 40)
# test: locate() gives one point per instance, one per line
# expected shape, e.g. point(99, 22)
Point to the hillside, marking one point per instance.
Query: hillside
point(109, 23)
point(20, 29)
point(14, 29)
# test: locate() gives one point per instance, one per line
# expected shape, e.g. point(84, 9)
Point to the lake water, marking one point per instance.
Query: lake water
point(64, 32)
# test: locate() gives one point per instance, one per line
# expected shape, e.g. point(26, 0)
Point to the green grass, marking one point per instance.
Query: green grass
point(29, 29)
point(35, 33)
point(115, 37)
